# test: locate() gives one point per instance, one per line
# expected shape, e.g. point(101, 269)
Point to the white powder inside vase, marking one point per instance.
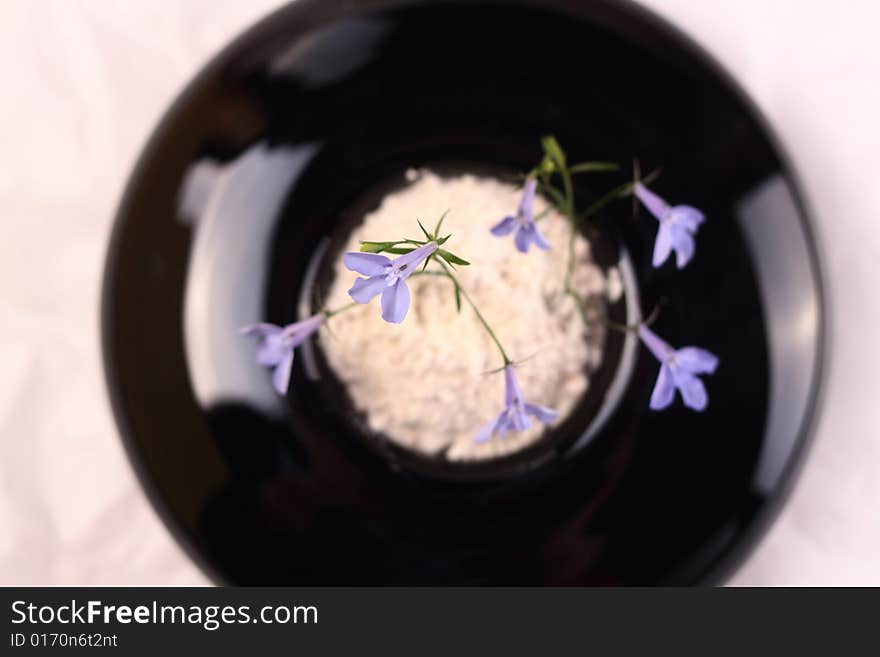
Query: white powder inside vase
point(424, 383)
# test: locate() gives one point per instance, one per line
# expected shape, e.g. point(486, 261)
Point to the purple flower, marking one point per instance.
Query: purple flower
point(678, 369)
point(678, 225)
point(515, 415)
point(386, 276)
point(527, 230)
point(276, 345)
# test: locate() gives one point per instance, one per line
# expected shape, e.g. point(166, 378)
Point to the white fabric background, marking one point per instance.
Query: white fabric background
point(86, 80)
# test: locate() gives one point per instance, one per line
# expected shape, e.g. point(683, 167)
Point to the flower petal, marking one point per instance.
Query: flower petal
point(365, 289)
point(662, 244)
point(655, 205)
point(527, 203)
point(261, 329)
point(366, 264)
point(519, 418)
point(408, 262)
point(688, 217)
point(683, 243)
point(540, 240)
point(525, 235)
point(270, 350)
point(512, 391)
point(503, 227)
point(281, 375)
point(696, 360)
point(488, 430)
point(395, 302)
point(505, 423)
point(544, 414)
point(295, 334)
point(664, 389)
point(693, 392)
point(659, 347)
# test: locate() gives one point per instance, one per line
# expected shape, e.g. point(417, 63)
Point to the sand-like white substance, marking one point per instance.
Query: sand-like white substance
point(424, 383)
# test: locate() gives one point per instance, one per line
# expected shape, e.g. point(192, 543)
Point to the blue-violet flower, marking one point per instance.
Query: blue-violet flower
point(678, 225)
point(387, 277)
point(276, 345)
point(515, 415)
point(527, 231)
point(678, 369)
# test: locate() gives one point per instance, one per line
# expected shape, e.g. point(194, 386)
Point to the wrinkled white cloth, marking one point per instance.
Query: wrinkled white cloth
point(85, 82)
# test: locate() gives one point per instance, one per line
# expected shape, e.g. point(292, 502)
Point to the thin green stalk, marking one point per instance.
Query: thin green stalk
point(569, 193)
point(574, 221)
point(547, 188)
point(618, 192)
point(569, 266)
point(629, 328)
point(330, 313)
point(543, 213)
point(609, 323)
point(566, 203)
point(570, 213)
point(448, 274)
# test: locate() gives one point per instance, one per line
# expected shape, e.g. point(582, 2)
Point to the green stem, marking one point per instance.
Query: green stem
point(448, 274)
point(573, 221)
point(569, 266)
point(617, 326)
point(609, 323)
point(330, 313)
point(543, 213)
point(565, 201)
point(549, 189)
point(618, 192)
point(569, 211)
point(569, 193)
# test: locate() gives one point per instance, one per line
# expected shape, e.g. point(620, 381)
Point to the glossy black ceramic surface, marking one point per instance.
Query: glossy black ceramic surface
point(274, 147)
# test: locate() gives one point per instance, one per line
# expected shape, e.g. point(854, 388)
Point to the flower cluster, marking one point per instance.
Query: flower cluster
point(678, 368)
point(678, 226)
point(381, 274)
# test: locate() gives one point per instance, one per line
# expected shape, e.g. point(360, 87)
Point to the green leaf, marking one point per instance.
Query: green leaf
point(457, 297)
point(553, 150)
point(388, 247)
point(427, 234)
point(440, 223)
point(441, 241)
point(588, 167)
point(451, 258)
point(377, 247)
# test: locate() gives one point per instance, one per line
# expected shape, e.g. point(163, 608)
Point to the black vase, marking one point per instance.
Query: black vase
point(270, 153)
